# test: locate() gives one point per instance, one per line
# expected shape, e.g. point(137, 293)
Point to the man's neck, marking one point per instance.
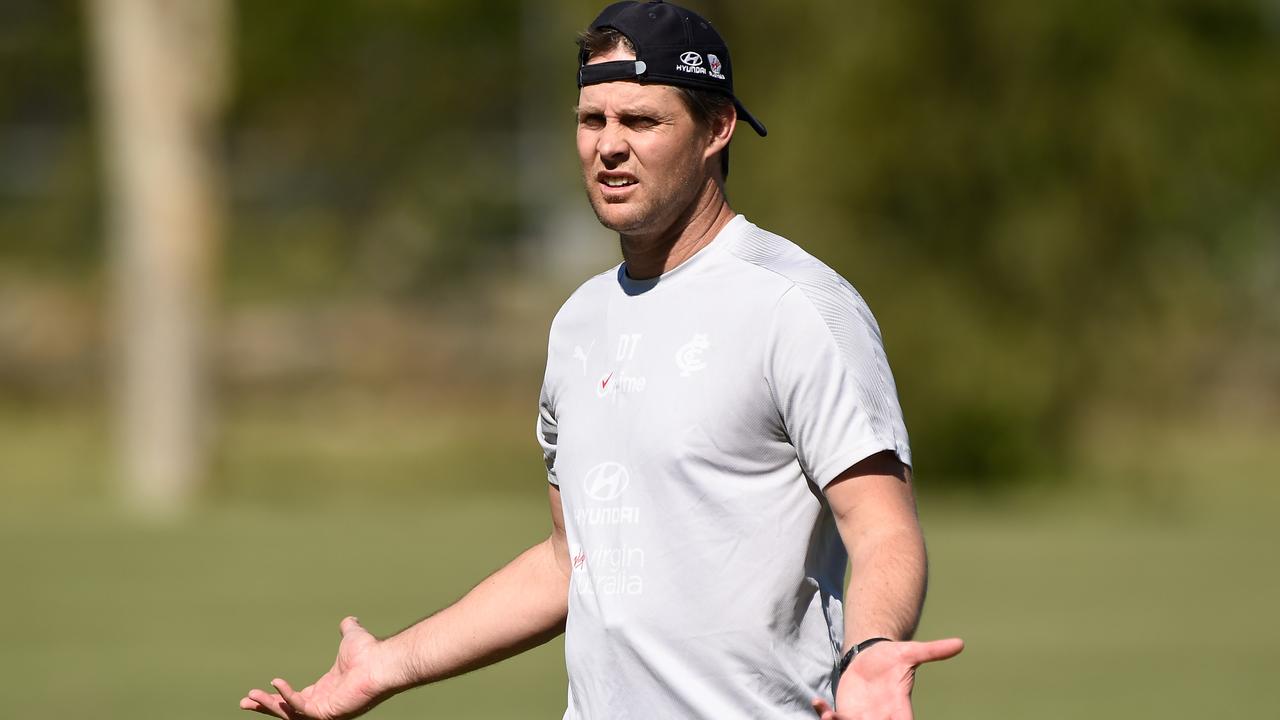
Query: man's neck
point(650, 256)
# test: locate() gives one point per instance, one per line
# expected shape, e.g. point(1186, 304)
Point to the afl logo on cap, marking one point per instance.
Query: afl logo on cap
point(714, 63)
point(691, 59)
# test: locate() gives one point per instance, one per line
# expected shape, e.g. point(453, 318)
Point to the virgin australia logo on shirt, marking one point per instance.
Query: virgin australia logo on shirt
point(608, 570)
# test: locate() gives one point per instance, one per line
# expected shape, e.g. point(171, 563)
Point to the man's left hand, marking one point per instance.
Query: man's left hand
point(877, 684)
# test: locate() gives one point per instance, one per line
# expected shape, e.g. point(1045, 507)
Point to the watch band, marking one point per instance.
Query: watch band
point(853, 652)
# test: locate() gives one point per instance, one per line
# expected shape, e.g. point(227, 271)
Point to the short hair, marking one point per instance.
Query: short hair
point(704, 105)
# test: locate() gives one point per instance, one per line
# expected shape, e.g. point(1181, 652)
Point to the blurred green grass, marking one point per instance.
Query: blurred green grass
point(1112, 598)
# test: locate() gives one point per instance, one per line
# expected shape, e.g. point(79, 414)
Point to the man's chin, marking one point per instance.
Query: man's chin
point(623, 218)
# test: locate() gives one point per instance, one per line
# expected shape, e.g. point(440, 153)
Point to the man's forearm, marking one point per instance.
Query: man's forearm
point(887, 585)
point(519, 607)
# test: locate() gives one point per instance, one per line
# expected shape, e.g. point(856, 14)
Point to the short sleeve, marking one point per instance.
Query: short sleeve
point(827, 369)
point(548, 432)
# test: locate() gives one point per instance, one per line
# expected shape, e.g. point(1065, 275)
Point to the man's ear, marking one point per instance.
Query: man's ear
point(721, 129)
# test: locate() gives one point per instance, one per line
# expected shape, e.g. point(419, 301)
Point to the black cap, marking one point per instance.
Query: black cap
point(674, 46)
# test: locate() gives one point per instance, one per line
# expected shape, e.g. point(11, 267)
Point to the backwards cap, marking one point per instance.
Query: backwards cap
point(674, 46)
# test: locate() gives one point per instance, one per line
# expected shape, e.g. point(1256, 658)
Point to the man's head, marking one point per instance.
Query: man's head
point(656, 113)
point(706, 106)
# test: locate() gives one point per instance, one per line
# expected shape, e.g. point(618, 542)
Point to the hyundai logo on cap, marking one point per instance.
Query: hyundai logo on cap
point(691, 58)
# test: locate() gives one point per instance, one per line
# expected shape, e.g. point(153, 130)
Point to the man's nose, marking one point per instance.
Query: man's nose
point(612, 144)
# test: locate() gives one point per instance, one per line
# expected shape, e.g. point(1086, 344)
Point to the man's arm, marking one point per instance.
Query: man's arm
point(519, 607)
point(875, 511)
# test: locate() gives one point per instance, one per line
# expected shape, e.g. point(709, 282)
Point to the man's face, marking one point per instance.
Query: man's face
point(643, 155)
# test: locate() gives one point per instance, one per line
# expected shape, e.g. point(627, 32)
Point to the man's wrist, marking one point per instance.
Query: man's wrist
point(859, 648)
point(391, 674)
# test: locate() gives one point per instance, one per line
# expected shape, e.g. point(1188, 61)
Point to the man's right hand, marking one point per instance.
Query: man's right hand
point(355, 683)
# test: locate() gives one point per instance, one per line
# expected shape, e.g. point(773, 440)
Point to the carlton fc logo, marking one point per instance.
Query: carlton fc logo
point(714, 62)
point(606, 481)
point(689, 356)
point(692, 59)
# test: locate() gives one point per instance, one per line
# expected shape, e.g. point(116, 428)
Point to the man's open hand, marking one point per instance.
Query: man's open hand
point(877, 684)
point(351, 687)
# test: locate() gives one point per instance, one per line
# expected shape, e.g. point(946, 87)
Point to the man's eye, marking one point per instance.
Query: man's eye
point(591, 121)
point(642, 122)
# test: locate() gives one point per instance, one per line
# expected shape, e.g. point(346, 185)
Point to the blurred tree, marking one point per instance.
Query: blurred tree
point(162, 71)
point(1040, 200)
point(374, 147)
point(1057, 210)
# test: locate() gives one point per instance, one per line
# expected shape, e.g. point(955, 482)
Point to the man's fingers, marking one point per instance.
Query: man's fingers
point(824, 711)
point(296, 703)
point(349, 623)
point(923, 652)
point(269, 704)
point(254, 705)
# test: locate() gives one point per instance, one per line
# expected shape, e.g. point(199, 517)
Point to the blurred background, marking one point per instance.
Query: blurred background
point(275, 280)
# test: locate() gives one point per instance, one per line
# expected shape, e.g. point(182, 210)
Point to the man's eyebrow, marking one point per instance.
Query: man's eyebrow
point(641, 111)
point(629, 113)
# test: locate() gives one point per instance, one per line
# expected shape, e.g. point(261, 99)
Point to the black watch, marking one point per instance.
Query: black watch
point(853, 652)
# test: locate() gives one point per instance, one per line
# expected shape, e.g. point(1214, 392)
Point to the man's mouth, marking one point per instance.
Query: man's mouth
point(616, 180)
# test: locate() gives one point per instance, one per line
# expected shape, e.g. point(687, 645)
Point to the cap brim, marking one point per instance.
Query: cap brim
point(751, 119)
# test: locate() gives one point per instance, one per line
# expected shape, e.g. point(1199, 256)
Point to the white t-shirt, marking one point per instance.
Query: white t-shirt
point(691, 422)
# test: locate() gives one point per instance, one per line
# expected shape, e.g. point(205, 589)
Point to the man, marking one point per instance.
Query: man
point(720, 427)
